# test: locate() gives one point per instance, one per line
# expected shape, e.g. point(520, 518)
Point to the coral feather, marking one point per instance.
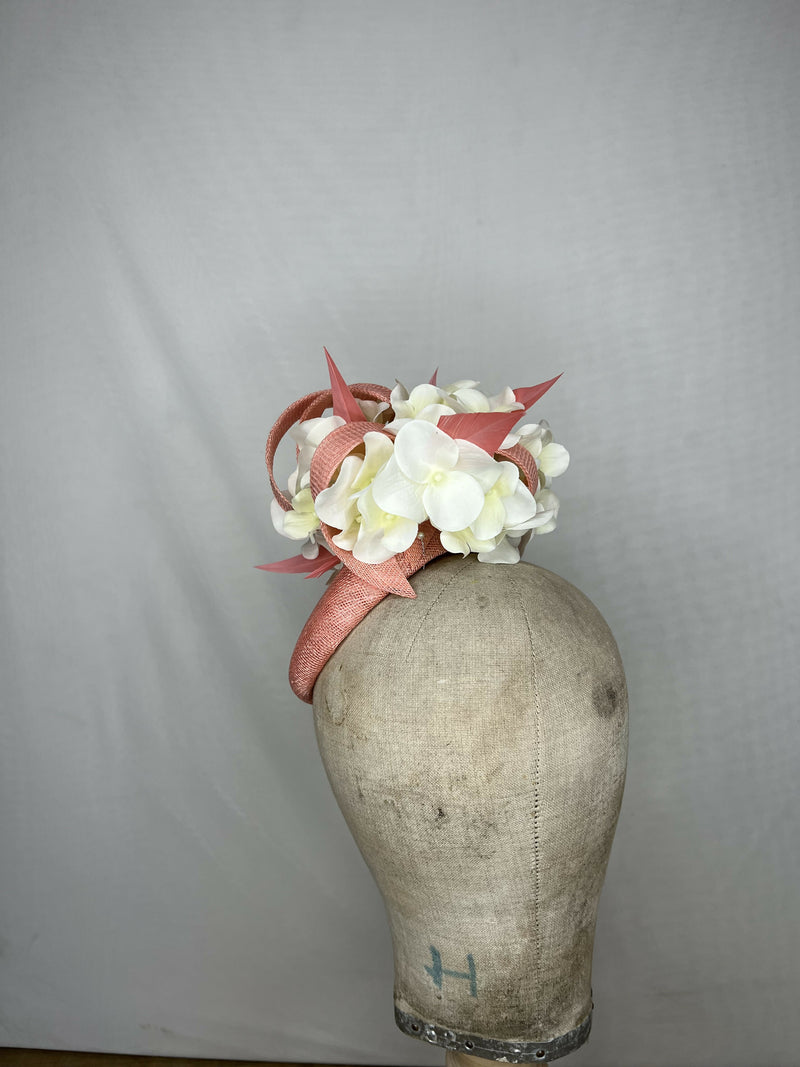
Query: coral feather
point(345, 404)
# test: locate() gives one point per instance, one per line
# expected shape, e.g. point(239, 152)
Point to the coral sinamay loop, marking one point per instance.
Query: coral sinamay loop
point(334, 448)
point(310, 406)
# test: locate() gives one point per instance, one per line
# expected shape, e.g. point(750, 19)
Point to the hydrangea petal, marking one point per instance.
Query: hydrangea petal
point(453, 500)
point(395, 493)
point(548, 499)
point(377, 544)
point(299, 524)
point(300, 521)
point(473, 460)
point(371, 548)
point(504, 552)
point(554, 460)
point(371, 409)
point(308, 435)
point(454, 542)
point(492, 518)
point(378, 449)
point(508, 479)
point(462, 383)
point(471, 399)
point(336, 505)
point(421, 397)
point(505, 401)
point(401, 534)
point(312, 431)
point(465, 541)
point(520, 506)
point(421, 450)
point(347, 538)
point(393, 531)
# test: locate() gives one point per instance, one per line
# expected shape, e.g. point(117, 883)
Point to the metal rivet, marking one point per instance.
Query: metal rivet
point(469, 1044)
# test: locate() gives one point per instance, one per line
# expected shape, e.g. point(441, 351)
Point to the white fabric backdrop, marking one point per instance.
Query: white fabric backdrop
point(198, 196)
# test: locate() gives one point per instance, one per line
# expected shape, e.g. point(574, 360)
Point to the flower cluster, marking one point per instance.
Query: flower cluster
point(409, 471)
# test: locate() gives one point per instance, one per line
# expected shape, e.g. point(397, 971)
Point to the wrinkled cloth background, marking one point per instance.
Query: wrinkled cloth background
point(196, 197)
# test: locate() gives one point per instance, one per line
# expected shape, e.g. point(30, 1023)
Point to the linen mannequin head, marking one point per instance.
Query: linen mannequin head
point(472, 717)
point(476, 740)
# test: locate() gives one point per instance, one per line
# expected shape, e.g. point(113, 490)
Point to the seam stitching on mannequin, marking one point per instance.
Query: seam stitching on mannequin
point(536, 802)
point(433, 603)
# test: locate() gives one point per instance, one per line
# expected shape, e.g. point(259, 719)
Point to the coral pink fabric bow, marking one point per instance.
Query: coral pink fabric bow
point(358, 587)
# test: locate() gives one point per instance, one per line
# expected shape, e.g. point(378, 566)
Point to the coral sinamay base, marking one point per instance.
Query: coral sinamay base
point(347, 600)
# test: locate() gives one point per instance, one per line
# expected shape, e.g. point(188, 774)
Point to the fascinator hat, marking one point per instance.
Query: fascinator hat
point(388, 480)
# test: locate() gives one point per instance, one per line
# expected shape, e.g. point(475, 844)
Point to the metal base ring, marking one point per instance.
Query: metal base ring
point(488, 1048)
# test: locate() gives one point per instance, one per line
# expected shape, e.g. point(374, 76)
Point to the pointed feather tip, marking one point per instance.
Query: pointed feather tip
point(528, 395)
point(345, 404)
point(311, 568)
point(433, 377)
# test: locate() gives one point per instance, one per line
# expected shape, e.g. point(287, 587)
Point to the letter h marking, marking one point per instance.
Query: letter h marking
point(436, 971)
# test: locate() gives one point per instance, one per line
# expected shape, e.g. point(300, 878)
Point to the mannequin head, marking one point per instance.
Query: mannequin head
point(476, 740)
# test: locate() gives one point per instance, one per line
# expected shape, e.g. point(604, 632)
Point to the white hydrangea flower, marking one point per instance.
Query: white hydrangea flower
point(299, 524)
point(338, 504)
point(468, 397)
point(511, 510)
point(464, 541)
point(426, 402)
point(429, 475)
point(307, 436)
point(509, 502)
point(543, 516)
point(381, 534)
point(551, 459)
point(505, 401)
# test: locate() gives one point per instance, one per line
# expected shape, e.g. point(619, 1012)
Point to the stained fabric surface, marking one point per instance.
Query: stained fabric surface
point(486, 817)
point(196, 197)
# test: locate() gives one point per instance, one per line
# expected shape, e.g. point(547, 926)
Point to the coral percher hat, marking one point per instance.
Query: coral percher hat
point(392, 480)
